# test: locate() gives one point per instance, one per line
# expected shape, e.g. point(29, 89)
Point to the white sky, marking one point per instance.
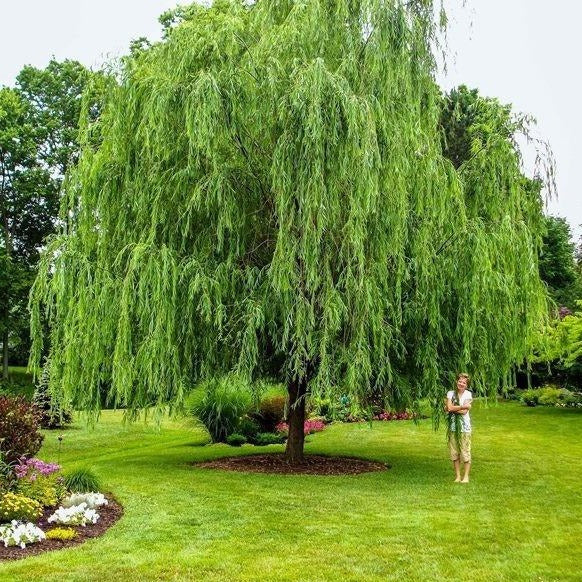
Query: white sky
point(525, 52)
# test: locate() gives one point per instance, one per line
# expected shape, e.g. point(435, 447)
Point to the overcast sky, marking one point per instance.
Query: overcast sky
point(525, 52)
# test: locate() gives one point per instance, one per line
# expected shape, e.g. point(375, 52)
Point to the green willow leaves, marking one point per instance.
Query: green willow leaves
point(270, 197)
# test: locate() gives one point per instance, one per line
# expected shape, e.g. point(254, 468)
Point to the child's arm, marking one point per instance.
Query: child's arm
point(460, 409)
point(453, 407)
point(465, 408)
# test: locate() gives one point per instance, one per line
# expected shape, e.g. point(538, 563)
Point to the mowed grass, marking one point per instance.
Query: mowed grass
point(19, 382)
point(518, 519)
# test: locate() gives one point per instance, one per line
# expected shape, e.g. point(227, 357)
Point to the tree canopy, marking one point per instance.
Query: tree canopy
point(558, 267)
point(27, 204)
point(39, 123)
point(270, 197)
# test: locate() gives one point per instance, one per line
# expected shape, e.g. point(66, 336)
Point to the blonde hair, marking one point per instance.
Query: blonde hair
point(464, 375)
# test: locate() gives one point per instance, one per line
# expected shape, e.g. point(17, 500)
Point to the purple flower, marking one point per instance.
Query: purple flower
point(31, 468)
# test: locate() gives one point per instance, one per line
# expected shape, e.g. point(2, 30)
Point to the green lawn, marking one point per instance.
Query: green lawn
point(19, 382)
point(519, 518)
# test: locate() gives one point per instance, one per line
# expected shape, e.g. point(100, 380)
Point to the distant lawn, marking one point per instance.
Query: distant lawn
point(19, 382)
point(519, 519)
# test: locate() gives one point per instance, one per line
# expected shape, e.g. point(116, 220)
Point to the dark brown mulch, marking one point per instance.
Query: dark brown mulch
point(108, 515)
point(312, 465)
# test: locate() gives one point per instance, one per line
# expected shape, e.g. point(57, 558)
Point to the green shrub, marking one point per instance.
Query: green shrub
point(322, 407)
point(43, 489)
point(571, 400)
point(268, 438)
point(549, 396)
point(61, 533)
point(248, 428)
point(530, 397)
point(19, 383)
point(270, 412)
point(236, 440)
point(346, 409)
point(81, 481)
point(19, 507)
point(220, 405)
point(19, 428)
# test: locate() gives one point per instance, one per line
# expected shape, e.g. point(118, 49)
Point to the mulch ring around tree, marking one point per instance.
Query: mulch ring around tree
point(108, 515)
point(312, 465)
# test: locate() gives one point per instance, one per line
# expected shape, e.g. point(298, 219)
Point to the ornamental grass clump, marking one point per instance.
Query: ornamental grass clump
point(20, 534)
point(81, 480)
point(220, 404)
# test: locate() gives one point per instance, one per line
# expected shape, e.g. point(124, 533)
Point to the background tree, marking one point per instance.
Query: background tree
point(26, 195)
point(55, 95)
point(39, 121)
point(558, 268)
point(270, 197)
point(467, 117)
point(559, 351)
point(557, 360)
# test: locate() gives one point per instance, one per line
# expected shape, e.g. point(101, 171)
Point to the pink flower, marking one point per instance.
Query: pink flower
point(31, 468)
point(309, 426)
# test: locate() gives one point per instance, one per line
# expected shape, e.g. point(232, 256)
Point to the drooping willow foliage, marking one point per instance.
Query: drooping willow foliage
point(269, 196)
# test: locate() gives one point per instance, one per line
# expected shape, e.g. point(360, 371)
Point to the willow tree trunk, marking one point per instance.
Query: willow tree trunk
point(296, 419)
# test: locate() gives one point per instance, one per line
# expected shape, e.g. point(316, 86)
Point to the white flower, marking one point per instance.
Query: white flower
point(92, 500)
point(19, 534)
point(75, 515)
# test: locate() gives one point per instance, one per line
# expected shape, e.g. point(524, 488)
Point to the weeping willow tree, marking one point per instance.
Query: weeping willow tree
point(269, 196)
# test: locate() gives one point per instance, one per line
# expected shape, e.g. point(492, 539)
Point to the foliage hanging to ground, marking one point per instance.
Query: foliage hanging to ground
point(270, 196)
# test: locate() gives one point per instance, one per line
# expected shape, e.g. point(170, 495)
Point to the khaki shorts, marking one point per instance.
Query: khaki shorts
point(460, 448)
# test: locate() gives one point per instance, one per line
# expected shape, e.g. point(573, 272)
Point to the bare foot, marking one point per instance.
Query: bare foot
point(465, 480)
point(458, 480)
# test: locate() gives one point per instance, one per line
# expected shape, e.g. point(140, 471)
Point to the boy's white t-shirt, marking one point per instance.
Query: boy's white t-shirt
point(465, 397)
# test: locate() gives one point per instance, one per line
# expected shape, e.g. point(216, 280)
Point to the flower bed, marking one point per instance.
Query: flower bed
point(108, 515)
point(310, 426)
point(386, 416)
point(34, 498)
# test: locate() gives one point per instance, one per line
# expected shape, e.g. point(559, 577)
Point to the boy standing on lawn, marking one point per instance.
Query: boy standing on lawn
point(458, 406)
